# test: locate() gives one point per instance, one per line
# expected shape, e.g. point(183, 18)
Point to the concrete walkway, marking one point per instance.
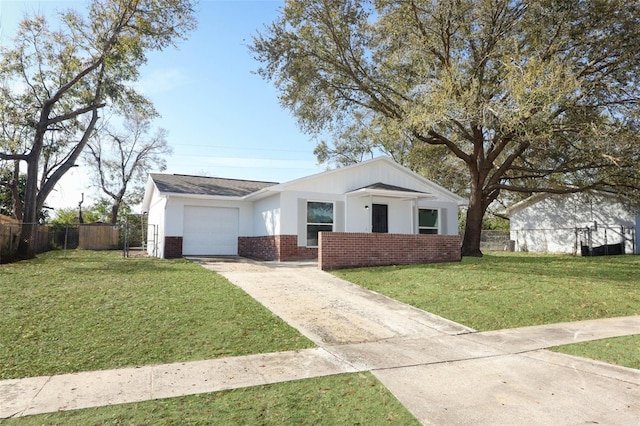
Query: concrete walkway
point(444, 373)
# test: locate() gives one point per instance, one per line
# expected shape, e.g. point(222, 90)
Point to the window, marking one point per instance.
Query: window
point(428, 221)
point(319, 218)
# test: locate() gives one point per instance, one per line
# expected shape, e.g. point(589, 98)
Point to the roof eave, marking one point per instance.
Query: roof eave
point(203, 196)
point(263, 193)
point(389, 193)
point(148, 195)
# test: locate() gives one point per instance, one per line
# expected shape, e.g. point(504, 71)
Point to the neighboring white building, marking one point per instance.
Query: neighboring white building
point(190, 215)
point(565, 223)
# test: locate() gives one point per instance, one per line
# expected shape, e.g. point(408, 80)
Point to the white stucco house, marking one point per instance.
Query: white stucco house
point(192, 215)
point(590, 222)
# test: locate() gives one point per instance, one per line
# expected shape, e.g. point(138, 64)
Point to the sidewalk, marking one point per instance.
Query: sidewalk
point(444, 373)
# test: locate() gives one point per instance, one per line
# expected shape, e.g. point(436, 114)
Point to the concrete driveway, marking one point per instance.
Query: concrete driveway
point(444, 372)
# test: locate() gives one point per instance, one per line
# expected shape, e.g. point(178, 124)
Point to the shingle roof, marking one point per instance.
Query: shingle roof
point(203, 185)
point(387, 187)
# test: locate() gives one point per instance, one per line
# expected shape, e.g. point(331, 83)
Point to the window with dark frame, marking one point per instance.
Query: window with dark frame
point(319, 218)
point(428, 221)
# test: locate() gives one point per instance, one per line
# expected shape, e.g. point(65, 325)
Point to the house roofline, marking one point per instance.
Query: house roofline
point(543, 195)
point(365, 192)
point(282, 186)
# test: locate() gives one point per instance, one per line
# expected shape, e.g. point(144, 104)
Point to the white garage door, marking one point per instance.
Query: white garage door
point(210, 231)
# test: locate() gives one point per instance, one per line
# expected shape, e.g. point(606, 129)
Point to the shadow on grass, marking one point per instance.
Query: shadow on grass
point(94, 263)
point(623, 271)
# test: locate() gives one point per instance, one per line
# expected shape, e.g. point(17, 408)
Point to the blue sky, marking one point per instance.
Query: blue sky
point(222, 119)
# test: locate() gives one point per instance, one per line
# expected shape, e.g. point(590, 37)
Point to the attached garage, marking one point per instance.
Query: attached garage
point(210, 231)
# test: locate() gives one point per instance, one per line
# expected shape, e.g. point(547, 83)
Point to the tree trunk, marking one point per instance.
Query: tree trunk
point(473, 228)
point(14, 187)
point(30, 213)
point(114, 211)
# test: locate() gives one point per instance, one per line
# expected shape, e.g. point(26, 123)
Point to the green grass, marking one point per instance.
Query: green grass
point(507, 290)
point(623, 351)
point(513, 290)
point(348, 399)
point(83, 310)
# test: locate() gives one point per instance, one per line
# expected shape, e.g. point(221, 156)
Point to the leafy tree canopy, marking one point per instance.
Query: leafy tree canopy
point(70, 216)
point(121, 159)
point(53, 83)
point(485, 96)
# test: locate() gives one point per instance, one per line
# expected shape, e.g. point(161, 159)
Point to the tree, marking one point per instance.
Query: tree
point(122, 161)
point(12, 185)
point(53, 83)
point(70, 217)
point(522, 96)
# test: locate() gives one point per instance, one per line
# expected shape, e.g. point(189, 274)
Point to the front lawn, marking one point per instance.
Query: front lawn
point(347, 399)
point(623, 350)
point(82, 310)
point(506, 290)
point(512, 290)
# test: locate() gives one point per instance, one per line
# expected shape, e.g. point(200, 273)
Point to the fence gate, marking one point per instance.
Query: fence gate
point(606, 240)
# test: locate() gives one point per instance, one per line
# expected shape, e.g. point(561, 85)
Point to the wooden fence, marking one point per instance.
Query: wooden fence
point(98, 236)
point(89, 237)
point(10, 232)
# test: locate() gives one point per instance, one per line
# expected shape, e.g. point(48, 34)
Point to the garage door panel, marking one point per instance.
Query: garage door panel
point(210, 231)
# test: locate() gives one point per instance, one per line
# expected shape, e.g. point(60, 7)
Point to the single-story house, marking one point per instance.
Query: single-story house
point(574, 223)
point(194, 215)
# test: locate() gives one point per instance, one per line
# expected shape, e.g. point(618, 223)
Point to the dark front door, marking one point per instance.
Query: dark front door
point(380, 218)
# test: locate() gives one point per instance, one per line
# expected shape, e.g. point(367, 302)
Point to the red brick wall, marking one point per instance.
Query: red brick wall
point(339, 250)
point(289, 249)
point(263, 248)
point(275, 247)
point(172, 247)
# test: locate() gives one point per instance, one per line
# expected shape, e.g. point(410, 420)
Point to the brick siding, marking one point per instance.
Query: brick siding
point(275, 247)
point(172, 247)
point(339, 250)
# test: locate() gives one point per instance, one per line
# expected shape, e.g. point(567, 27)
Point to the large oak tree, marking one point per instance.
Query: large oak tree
point(519, 95)
point(54, 82)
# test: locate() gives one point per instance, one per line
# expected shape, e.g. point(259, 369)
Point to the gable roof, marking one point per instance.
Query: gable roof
point(540, 196)
point(386, 187)
point(434, 188)
point(203, 185)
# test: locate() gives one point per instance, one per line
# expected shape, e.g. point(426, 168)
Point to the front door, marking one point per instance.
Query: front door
point(379, 218)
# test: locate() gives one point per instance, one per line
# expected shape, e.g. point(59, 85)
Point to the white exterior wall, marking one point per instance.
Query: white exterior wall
point(402, 212)
point(553, 223)
point(341, 181)
point(266, 217)
point(358, 218)
point(155, 225)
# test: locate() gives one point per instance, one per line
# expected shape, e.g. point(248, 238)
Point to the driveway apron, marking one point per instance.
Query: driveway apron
point(444, 372)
